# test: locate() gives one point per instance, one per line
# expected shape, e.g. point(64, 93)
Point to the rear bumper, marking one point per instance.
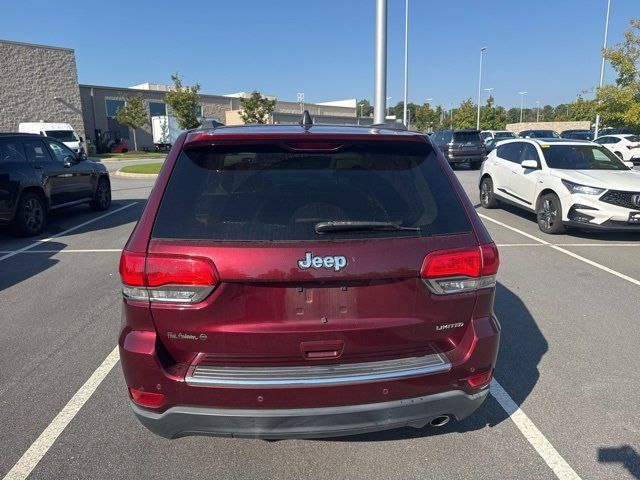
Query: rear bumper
point(309, 422)
point(462, 158)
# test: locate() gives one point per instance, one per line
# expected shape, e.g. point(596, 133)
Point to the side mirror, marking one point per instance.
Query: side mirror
point(529, 164)
point(68, 161)
point(628, 164)
point(81, 139)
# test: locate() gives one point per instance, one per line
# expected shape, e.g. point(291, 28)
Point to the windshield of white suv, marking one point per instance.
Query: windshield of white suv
point(581, 157)
point(62, 135)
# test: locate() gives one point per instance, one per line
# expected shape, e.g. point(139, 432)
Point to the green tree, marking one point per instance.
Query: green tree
point(619, 104)
point(513, 115)
point(183, 101)
point(133, 115)
point(364, 108)
point(256, 108)
point(427, 118)
point(547, 113)
point(582, 109)
point(465, 115)
point(492, 117)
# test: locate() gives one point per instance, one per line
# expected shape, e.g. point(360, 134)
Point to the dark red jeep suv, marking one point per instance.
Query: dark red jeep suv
point(306, 282)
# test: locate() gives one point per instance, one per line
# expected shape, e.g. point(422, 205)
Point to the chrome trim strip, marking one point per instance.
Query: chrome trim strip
point(316, 375)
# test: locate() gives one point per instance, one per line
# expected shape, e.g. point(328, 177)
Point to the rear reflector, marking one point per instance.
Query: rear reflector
point(146, 399)
point(460, 270)
point(480, 379)
point(167, 278)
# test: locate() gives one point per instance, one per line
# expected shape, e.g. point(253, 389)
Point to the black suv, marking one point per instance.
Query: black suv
point(539, 134)
point(39, 174)
point(460, 146)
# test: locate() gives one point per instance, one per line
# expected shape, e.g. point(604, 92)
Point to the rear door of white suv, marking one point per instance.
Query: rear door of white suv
point(504, 165)
point(523, 182)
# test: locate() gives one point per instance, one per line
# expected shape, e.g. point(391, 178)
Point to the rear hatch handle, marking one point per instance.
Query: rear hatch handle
point(322, 350)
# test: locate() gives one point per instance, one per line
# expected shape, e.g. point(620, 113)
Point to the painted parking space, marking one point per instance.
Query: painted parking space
point(549, 342)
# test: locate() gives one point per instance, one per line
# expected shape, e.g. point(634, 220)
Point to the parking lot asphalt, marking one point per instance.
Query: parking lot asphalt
point(569, 360)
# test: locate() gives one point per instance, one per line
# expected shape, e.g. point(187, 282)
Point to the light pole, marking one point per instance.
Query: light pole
point(522, 94)
point(606, 31)
point(537, 110)
point(480, 87)
point(406, 62)
point(380, 84)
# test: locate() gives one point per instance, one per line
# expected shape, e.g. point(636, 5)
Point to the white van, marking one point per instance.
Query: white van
point(62, 132)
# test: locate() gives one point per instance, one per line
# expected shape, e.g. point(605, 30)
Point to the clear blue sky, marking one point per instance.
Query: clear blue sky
point(324, 48)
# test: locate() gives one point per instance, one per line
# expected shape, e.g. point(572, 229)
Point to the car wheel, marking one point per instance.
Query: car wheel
point(102, 199)
point(475, 165)
point(549, 213)
point(30, 215)
point(487, 197)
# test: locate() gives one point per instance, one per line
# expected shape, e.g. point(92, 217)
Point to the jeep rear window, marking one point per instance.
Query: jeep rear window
point(466, 137)
point(269, 193)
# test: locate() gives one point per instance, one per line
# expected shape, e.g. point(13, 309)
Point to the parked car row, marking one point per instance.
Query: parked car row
point(39, 174)
point(567, 183)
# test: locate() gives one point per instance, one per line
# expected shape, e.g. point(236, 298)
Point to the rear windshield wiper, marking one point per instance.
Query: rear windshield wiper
point(361, 226)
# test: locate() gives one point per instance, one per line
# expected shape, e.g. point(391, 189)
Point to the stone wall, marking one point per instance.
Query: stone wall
point(38, 83)
point(557, 126)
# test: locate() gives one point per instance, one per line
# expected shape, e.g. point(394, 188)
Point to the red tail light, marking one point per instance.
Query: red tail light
point(449, 263)
point(146, 399)
point(490, 259)
point(167, 278)
point(459, 270)
point(132, 268)
point(165, 270)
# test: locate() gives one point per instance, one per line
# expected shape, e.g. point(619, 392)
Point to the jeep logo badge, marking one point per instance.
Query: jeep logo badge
point(336, 262)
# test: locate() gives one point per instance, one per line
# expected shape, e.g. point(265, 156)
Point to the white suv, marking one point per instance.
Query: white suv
point(626, 147)
point(565, 182)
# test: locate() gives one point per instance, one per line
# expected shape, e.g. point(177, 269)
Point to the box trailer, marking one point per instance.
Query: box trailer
point(165, 131)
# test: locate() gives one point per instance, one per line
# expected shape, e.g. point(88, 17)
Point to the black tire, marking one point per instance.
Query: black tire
point(475, 165)
point(487, 197)
point(549, 214)
point(102, 198)
point(31, 215)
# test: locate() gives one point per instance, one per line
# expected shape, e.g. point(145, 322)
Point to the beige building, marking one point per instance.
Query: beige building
point(38, 83)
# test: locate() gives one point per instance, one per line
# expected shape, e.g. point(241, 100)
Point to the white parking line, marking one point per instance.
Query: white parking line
point(68, 250)
point(534, 436)
point(565, 251)
point(69, 230)
point(39, 448)
point(601, 245)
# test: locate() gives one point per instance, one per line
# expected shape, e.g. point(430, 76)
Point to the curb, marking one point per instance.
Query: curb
point(118, 173)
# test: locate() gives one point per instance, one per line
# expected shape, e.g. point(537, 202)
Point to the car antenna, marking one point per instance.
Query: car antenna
point(306, 122)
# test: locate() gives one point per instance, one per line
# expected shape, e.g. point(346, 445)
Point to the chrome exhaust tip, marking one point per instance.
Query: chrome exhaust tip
point(440, 421)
